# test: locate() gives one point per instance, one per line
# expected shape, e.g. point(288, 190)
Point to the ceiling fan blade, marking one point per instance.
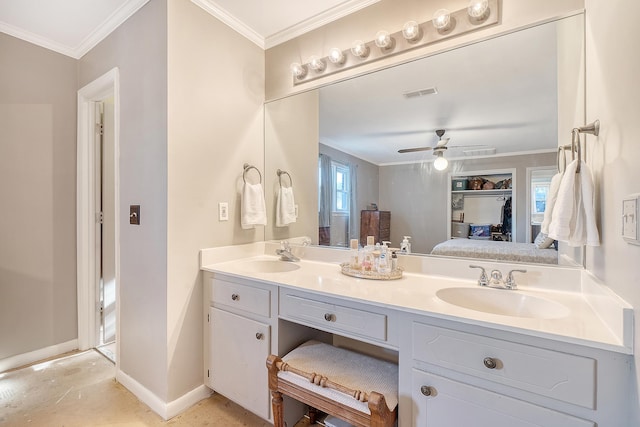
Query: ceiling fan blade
point(413, 150)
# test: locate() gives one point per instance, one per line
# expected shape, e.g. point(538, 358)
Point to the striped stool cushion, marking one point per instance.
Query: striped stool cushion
point(347, 368)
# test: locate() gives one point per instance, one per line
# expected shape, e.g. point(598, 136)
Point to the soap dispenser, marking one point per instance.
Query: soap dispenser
point(405, 246)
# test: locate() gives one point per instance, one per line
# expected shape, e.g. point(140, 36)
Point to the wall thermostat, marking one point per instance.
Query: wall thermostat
point(630, 219)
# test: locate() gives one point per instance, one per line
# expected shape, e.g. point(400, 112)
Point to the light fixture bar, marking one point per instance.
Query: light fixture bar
point(461, 23)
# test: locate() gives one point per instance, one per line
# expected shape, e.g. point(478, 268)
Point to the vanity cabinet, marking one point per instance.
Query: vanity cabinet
point(239, 340)
point(458, 378)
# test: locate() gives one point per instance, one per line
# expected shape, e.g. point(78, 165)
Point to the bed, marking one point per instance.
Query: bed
point(502, 251)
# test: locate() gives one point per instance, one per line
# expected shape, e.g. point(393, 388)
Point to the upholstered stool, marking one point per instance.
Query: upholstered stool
point(356, 388)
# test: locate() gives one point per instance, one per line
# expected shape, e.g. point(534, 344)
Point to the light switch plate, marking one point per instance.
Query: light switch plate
point(630, 219)
point(223, 211)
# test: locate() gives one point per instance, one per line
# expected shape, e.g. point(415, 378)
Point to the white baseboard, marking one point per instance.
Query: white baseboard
point(157, 405)
point(33, 356)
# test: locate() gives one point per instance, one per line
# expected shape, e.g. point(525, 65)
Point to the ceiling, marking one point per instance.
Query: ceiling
point(73, 27)
point(498, 94)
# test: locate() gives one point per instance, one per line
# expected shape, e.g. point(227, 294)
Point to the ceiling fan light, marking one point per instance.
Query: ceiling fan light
point(440, 163)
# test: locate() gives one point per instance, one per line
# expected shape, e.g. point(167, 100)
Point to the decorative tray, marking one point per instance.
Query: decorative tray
point(372, 275)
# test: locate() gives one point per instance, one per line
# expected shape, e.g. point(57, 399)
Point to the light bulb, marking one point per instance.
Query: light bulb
point(442, 20)
point(478, 9)
point(336, 56)
point(299, 71)
point(360, 49)
point(411, 31)
point(384, 41)
point(440, 163)
point(317, 64)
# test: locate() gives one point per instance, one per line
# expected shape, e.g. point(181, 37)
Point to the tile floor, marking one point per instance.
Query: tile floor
point(80, 390)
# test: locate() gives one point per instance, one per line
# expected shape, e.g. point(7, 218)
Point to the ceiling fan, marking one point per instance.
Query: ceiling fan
point(440, 163)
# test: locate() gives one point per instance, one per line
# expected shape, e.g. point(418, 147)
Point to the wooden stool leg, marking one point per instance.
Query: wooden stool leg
point(278, 413)
point(313, 415)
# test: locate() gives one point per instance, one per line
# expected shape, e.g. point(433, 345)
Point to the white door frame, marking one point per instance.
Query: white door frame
point(101, 88)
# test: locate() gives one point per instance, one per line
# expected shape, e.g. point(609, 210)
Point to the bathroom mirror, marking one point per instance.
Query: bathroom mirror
point(505, 104)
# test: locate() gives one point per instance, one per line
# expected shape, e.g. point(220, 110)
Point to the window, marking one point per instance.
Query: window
point(340, 196)
point(540, 182)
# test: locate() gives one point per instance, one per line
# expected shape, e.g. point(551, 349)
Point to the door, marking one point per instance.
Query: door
point(105, 200)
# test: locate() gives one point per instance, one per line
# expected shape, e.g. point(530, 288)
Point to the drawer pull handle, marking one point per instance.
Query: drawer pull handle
point(490, 362)
point(426, 390)
point(235, 297)
point(328, 317)
point(259, 335)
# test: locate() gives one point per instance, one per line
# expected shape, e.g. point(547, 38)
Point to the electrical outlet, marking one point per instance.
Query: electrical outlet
point(223, 211)
point(630, 219)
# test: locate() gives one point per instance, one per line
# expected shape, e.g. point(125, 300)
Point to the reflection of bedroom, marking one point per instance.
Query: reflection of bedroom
point(417, 196)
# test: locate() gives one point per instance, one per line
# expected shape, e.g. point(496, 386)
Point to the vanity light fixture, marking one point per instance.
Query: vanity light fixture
point(478, 10)
point(299, 71)
point(440, 163)
point(412, 31)
point(384, 40)
point(477, 15)
point(360, 49)
point(336, 56)
point(317, 64)
point(442, 20)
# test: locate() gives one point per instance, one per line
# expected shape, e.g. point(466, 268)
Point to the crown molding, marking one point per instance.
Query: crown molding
point(36, 39)
point(213, 9)
point(116, 19)
point(287, 34)
point(317, 21)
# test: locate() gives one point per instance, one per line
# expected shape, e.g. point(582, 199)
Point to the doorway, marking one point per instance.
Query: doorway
point(97, 223)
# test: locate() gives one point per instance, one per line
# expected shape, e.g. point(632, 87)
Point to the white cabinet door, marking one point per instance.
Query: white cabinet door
point(237, 359)
point(441, 402)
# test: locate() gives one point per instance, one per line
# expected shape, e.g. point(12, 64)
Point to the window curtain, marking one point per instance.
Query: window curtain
point(354, 215)
point(324, 210)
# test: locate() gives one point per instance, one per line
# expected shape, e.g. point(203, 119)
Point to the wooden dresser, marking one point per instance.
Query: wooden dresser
point(376, 224)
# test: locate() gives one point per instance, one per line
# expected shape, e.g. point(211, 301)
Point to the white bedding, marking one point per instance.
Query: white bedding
point(503, 251)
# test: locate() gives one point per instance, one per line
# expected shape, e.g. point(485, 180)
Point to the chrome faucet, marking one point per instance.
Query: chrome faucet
point(285, 252)
point(496, 280)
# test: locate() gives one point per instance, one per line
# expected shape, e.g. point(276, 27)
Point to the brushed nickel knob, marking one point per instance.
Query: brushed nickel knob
point(259, 335)
point(426, 390)
point(490, 362)
point(235, 297)
point(328, 317)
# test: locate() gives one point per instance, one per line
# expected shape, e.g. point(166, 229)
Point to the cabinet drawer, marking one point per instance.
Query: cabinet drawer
point(561, 376)
point(450, 403)
point(332, 317)
point(241, 297)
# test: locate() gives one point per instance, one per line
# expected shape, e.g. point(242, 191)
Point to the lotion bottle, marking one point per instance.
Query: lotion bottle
point(354, 259)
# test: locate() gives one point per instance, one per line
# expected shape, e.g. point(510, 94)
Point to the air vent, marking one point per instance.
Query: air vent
point(421, 92)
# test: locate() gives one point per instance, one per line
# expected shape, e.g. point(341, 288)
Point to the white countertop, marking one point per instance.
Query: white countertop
point(603, 325)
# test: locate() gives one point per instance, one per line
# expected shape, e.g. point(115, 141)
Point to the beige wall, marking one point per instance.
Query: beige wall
point(215, 125)
point(37, 193)
point(391, 15)
point(139, 49)
point(613, 95)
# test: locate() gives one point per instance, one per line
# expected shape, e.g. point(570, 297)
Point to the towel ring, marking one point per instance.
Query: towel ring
point(280, 173)
point(247, 168)
point(564, 159)
point(576, 147)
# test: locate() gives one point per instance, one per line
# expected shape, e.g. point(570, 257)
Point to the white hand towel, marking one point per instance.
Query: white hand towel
point(253, 209)
point(285, 207)
point(552, 197)
point(564, 211)
point(573, 218)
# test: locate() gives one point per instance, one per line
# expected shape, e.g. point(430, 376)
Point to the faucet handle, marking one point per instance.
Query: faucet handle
point(511, 281)
point(284, 245)
point(484, 279)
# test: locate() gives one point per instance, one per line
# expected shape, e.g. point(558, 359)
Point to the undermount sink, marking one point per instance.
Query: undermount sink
point(268, 266)
point(503, 302)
